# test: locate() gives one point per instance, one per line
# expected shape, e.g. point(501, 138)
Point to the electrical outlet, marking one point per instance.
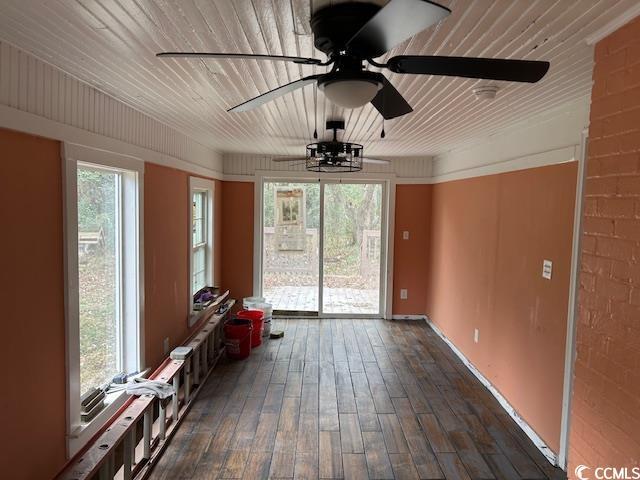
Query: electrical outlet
point(476, 335)
point(404, 294)
point(405, 235)
point(165, 345)
point(547, 268)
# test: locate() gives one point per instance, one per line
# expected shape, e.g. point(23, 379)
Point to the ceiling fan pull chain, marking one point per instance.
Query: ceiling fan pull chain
point(384, 106)
point(315, 111)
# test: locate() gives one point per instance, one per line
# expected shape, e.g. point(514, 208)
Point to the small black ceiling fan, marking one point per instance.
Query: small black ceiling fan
point(332, 155)
point(354, 32)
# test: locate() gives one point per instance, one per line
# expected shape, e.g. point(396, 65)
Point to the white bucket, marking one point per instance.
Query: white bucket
point(267, 309)
point(250, 302)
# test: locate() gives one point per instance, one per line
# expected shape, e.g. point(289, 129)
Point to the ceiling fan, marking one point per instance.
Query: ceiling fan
point(353, 33)
point(333, 155)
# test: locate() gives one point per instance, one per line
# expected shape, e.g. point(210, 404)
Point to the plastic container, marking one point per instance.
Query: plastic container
point(237, 338)
point(249, 302)
point(257, 318)
point(267, 309)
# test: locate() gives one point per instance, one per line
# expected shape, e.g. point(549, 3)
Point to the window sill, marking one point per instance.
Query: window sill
point(81, 434)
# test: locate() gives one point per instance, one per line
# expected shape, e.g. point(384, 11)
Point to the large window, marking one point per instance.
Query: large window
point(104, 281)
point(201, 197)
point(199, 241)
point(99, 275)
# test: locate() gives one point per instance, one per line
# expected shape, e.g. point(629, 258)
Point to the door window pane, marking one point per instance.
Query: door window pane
point(99, 256)
point(291, 216)
point(352, 242)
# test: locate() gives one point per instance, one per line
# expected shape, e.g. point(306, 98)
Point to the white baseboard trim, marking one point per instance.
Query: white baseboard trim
point(409, 317)
point(526, 428)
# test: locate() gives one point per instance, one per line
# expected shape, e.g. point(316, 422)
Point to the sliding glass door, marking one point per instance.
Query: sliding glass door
point(324, 247)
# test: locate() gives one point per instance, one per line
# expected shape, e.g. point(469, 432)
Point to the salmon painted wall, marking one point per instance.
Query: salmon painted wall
point(166, 255)
point(33, 445)
point(237, 238)
point(411, 257)
point(605, 420)
point(166, 258)
point(32, 231)
point(489, 236)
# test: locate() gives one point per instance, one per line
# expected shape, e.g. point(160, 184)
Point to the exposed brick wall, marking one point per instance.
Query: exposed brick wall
point(605, 416)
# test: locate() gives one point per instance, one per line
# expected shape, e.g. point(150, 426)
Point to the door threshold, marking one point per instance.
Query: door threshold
point(290, 314)
point(295, 314)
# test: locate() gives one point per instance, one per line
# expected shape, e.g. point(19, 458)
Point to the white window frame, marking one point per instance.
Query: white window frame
point(132, 291)
point(198, 184)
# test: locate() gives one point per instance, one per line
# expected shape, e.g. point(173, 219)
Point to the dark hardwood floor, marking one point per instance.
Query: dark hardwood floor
point(349, 399)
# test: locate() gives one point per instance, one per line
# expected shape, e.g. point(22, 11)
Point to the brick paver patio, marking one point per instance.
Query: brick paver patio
point(336, 300)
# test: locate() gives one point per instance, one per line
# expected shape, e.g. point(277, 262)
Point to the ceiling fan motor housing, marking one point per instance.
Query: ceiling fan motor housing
point(335, 25)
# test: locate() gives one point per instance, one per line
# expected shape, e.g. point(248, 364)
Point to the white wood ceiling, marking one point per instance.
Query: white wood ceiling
point(111, 45)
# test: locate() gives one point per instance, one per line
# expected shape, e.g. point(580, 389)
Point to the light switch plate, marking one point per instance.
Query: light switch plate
point(547, 268)
point(405, 235)
point(403, 294)
point(476, 335)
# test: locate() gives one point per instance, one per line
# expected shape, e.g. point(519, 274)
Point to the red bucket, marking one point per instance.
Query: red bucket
point(237, 338)
point(257, 319)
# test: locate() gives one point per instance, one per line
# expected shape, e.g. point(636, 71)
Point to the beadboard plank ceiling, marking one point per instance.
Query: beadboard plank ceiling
point(111, 45)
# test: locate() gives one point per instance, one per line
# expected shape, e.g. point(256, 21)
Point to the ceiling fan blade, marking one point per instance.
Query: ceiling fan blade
point(289, 159)
point(389, 102)
point(296, 164)
point(393, 24)
point(377, 161)
point(245, 56)
point(487, 68)
point(273, 94)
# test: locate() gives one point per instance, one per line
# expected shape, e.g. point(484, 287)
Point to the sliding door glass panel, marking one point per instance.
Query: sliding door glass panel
point(352, 248)
point(290, 264)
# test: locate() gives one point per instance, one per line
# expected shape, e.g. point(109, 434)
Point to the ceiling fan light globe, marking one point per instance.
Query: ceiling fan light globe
point(351, 93)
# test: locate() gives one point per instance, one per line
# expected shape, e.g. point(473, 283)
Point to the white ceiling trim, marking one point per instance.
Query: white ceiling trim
point(554, 129)
point(614, 25)
point(541, 159)
point(14, 119)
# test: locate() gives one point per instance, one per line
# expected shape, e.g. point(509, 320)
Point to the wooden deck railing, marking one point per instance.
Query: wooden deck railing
point(135, 437)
